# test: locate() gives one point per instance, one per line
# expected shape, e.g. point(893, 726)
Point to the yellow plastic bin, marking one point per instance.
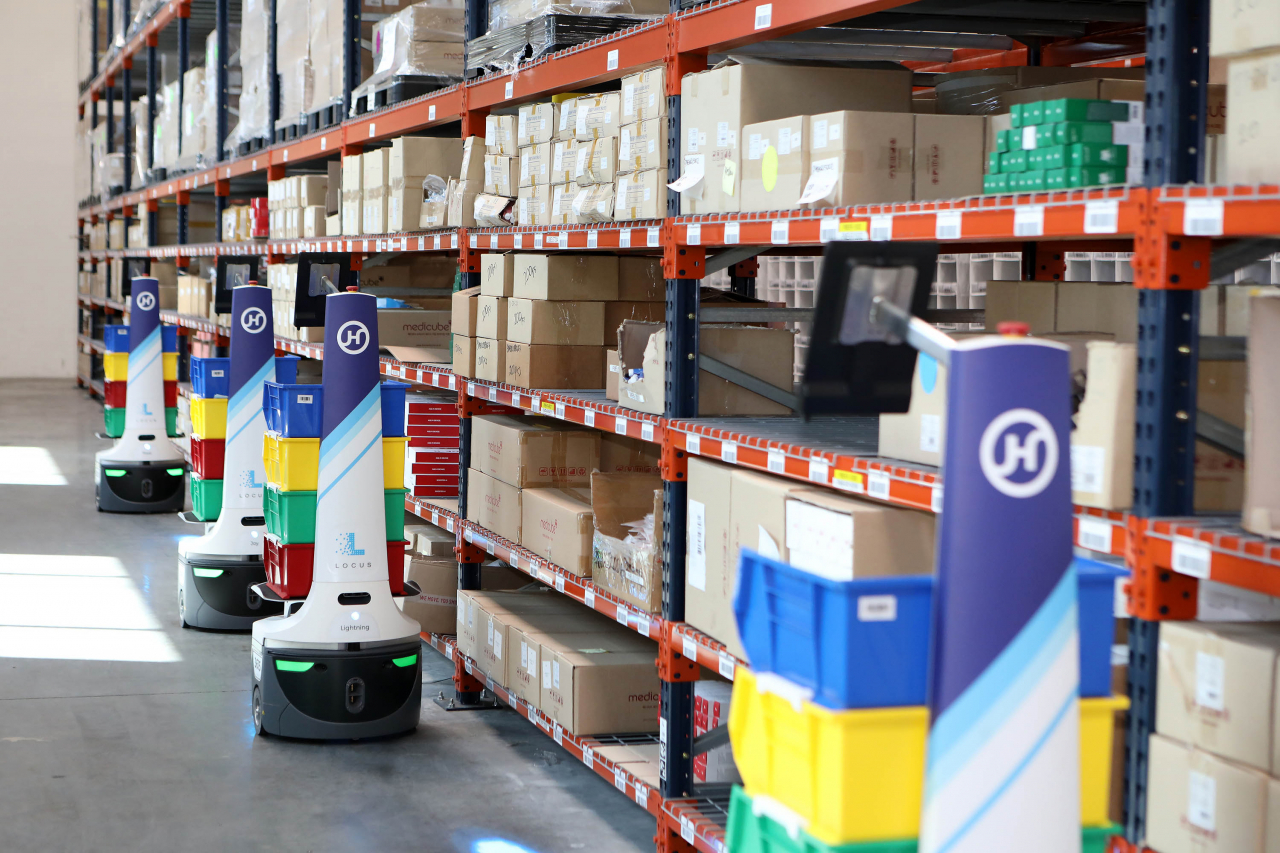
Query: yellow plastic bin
point(209, 417)
point(852, 775)
point(170, 360)
point(115, 366)
point(393, 450)
point(1097, 731)
point(293, 464)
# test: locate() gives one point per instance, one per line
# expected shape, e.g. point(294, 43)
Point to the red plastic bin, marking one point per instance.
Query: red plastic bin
point(207, 457)
point(114, 394)
point(289, 567)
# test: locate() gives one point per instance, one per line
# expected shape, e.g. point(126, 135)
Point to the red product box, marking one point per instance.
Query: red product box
point(427, 431)
point(435, 491)
point(411, 420)
point(434, 441)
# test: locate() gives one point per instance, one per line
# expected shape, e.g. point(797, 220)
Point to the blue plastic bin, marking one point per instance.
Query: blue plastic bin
point(1097, 582)
point(287, 369)
point(857, 644)
point(168, 338)
point(211, 377)
point(294, 411)
point(116, 338)
point(393, 408)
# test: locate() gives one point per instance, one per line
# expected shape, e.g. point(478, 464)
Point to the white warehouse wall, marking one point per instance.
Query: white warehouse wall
point(37, 196)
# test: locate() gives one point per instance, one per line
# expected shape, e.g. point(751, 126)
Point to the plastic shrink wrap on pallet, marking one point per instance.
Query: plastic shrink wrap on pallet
point(422, 40)
point(509, 13)
point(255, 105)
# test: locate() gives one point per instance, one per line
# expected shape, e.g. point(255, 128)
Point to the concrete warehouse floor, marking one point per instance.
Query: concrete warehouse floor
point(119, 731)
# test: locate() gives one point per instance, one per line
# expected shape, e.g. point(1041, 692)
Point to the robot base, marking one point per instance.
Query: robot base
point(142, 487)
point(218, 593)
point(333, 694)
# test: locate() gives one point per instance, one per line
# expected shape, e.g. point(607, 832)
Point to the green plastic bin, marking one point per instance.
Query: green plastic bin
point(206, 498)
point(113, 421)
point(291, 516)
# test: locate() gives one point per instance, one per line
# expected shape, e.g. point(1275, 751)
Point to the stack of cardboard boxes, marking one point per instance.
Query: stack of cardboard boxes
point(429, 562)
point(1246, 38)
point(244, 222)
point(382, 189)
point(296, 207)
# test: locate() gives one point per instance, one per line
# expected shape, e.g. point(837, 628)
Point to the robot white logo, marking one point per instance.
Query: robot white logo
point(146, 300)
point(353, 337)
point(1018, 455)
point(253, 320)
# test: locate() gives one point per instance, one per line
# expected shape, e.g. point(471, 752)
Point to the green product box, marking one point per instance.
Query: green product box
point(1071, 132)
point(1004, 141)
point(291, 516)
point(1030, 181)
point(1033, 114)
point(1097, 154)
point(1049, 157)
point(1093, 176)
point(113, 421)
point(206, 498)
point(997, 183)
point(1055, 179)
point(1084, 109)
point(1015, 115)
point(993, 162)
point(1013, 161)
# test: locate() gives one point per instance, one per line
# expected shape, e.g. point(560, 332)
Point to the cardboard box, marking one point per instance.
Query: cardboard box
point(623, 504)
point(530, 452)
point(1262, 492)
point(419, 156)
point(612, 370)
point(465, 306)
point(352, 196)
point(494, 505)
point(1200, 803)
point(556, 524)
point(709, 576)
point(462, 197)
point(473, 154)
point(1102, 442)
point(1217, 687)
point(949, 153)
point(919, 435)
point(1253, 99)
point(644, 95)
point(640, 279)
point(491, 318)
point(508, 619)
point(374, 165)
point(641, 195)
point(436, 608)
point(622, 455)
point(464, 356)
point(776, 168)
point(765, 353)
point(1082, 306)
point(1220, 478)
point(404, 205)
point(535, 165)
point(596, 162)
point(491, 359)
point(642, 146)
point(597, 116)
point(1032, 302)
point(593, 689)
point(595, 203)
point(859, 158)
point(497, 274)
point(537, 123)
point(533, 206)
point(500, 135)
point(548, 366)
point(616, 313)
point(312, 190)
point(566, 277)
point(374, 217)
point(313, 222)
point(418, 329)
point(501, 175)
point(537, 321)
point(1239, 28)
point(842, 538)
point(716, 104)
point(564, 161)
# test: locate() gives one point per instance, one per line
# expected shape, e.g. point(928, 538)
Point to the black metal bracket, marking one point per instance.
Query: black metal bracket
point(754, 384)
point(708, 741)
point(1240, 253)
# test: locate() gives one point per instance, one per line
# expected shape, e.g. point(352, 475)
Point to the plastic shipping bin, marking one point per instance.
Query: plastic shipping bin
point(209, 417)
point(289, 567)
point(207, 457)
point(1097, 732)
point(116, 394)
point(854, 775)
point(856, 644)
point(296, 411)
point(211, 377)
point(1097, 623)
point(113, 421)
point(206, 498)
point(116, 338)
point(291, 516)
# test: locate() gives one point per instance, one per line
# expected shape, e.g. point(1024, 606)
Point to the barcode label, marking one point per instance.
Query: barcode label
point(537, 241)
point(819, 471)
point(620, 426)
point(935, 499)
point(947, 225)
point(493, 241)
point(780, 233)
point(692, 444)
point(1102, 217)
point(1202, 217)
point(732, 232)
point(642, 794)
point(560, 411)
point(878, 485)
point(471, 389)
point(1094, 535)
point(646, 432)
point(475, 241)
point(593, 239)
point(493, 395)
point(611, 61)
point(509, 90)
point(589, 417)
point(693, 234)
point(564, 239)
point(619, 778)
point(588, 756)
point(726, 665)
point(828, 228)
point(559, 583)
point(621, 615)
point(686, 825)
point(882, 227)
point(624, 238)
point(729, 452)
point(1028, 220)
point(517, 241)
point(557, 734)
point(1192, 558)
point(764, 20)
point(777, 462)
point(688, 647)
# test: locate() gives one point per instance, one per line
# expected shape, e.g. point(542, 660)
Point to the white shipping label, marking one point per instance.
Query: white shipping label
point(654, 237)
point(780, 233)
point(726, 667)
point(764, 20)
point(777, 462)
point(688, 647)
point(1088, 468)
point(947, 225)
point(497, 645)
point(722, 134)
point(823, 177)
point(589, 417)
point(731, 233)
point(693, 140)
point(878, 485)
point(693, 234)
point(692, 444)
point(1211, 677)
point(555, 674)
point(524, 650)
point(931, 433)
point(820, 133)
point(1094, 535)
point(1102, 217)
point(877, 608)
point(546, 673)
point(1202, 217)
point(820, 540)
point(819, 470)
point(1202, 801)
point(784, 141)
point(1028, 220)
point(698, 545)
point(1192, 558)
point(588, 756)
point(882, 227)
point(729, 452)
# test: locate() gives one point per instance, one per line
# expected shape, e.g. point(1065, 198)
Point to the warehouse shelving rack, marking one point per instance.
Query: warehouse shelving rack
point(1181, 233)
